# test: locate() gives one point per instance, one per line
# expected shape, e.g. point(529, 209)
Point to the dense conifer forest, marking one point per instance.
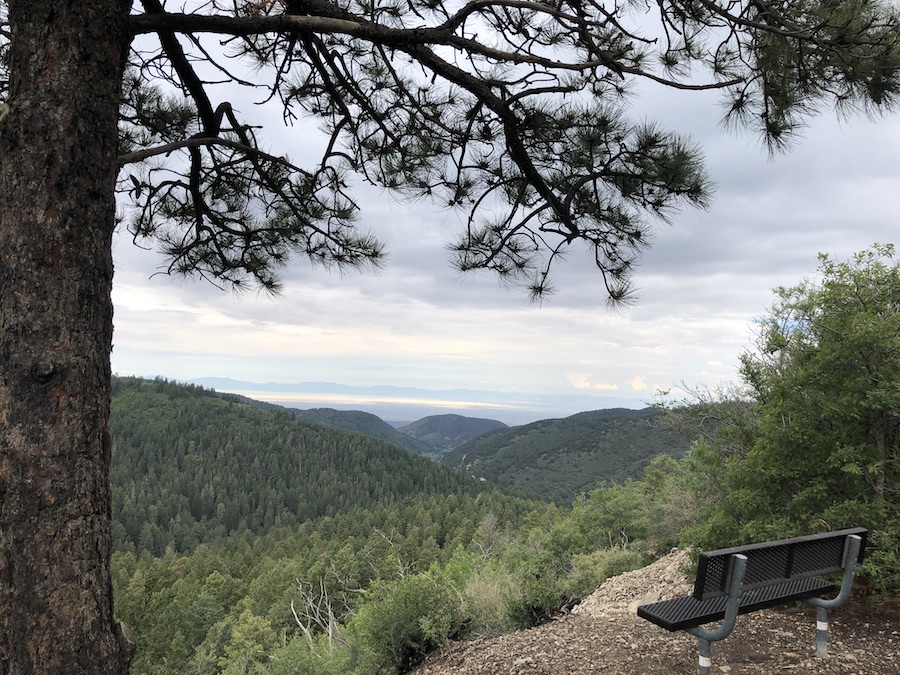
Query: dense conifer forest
point(559, 459)
point(193, 467)
point(250, 541)
point(348, 420)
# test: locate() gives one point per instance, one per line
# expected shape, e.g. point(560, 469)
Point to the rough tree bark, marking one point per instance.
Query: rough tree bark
point(57, 215)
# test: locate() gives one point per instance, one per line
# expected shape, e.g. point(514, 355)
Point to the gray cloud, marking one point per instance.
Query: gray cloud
point(419, 323)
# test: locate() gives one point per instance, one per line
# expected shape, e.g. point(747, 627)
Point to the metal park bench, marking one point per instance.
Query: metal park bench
point(743, 579)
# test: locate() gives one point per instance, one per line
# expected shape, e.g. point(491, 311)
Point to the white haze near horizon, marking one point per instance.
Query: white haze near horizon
point(419, 324)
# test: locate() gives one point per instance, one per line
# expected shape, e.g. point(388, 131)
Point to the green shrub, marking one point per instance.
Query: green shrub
point(487, 596)
point(592, 569)
point(881, 569)
point(300, 657)
point(539, 599)
point(399, 622)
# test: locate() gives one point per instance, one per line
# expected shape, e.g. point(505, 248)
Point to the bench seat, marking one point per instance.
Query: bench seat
point(688, 612)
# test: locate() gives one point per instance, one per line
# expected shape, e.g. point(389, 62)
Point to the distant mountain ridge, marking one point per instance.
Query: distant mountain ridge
point(446, 432)
point(559, 459)
point(357, 421)
point(363, 423)
point(412, 403)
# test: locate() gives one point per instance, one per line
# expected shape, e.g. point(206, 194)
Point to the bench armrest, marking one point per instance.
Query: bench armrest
point(853, 546)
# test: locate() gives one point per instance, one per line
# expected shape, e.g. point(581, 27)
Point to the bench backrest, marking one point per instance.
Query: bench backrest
point(775, 562)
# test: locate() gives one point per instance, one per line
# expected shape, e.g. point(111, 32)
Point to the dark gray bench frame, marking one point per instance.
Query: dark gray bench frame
point(733, 581)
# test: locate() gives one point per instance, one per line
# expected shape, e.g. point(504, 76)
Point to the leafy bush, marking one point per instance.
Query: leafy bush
point(824, 383)
point(487, 596)
point(538, 600)
point(399, 622)
point(882, 568)
point(300, 657)
point(589, 570)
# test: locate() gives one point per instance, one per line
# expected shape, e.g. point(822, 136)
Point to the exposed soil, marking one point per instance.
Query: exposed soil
point(604, 635)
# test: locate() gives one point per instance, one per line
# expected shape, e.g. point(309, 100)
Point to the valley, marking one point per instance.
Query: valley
point(246, 531)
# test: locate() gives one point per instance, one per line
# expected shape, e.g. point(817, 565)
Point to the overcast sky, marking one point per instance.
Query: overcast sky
point(420, 324)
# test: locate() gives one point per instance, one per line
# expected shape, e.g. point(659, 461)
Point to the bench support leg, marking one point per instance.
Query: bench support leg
point(821, 632)
point(739, 566)
point(705, 659)
point(822, 606)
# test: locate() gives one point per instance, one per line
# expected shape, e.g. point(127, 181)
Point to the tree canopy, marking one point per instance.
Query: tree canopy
point(190, 467)
point(513, 110)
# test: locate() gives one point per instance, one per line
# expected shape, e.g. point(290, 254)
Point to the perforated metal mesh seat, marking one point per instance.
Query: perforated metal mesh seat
point(688, 612)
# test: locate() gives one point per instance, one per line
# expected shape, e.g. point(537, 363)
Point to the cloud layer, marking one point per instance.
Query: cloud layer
point(417, 323)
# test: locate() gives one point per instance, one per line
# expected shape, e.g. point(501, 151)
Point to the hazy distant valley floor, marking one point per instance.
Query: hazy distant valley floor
point(606, 636)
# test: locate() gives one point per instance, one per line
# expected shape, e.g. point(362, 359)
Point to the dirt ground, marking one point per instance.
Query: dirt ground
point(605, 635)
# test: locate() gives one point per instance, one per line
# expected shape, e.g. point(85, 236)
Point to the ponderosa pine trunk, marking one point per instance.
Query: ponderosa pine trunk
point(57, 215)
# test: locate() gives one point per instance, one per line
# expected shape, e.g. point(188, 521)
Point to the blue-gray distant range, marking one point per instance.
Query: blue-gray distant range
point(405, 404)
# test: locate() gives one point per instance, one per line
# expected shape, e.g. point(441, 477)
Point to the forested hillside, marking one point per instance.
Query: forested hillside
point(445, 432)
point(430, 436)
point(347, 420)
point(559, 459)
point(230, 607)
point(191, 467)
point(363, 423)
point(250, 541)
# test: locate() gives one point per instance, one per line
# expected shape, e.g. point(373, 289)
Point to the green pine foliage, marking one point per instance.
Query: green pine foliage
point(191, 467)
point(248, 541)
point(396, 580)
point(225, 562)
point(183, 610)
point(348, 420)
